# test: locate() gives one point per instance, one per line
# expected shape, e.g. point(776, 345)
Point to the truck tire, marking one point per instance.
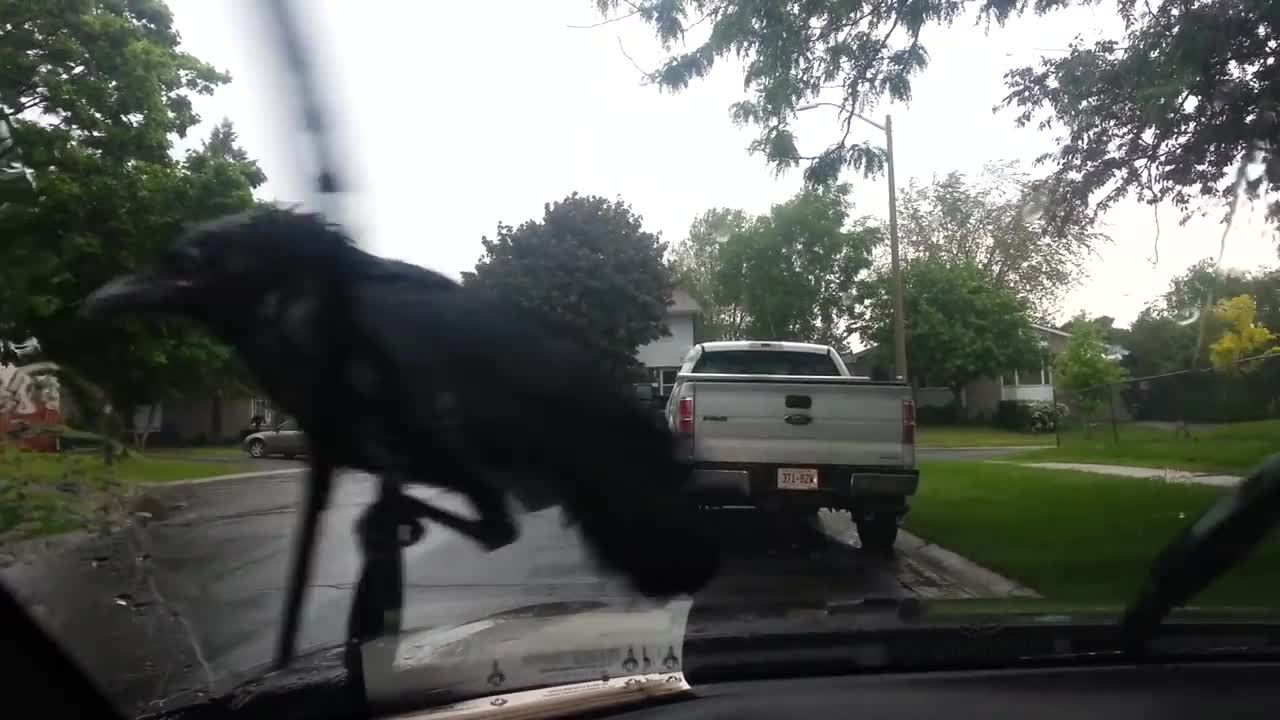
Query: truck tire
point(878, 533)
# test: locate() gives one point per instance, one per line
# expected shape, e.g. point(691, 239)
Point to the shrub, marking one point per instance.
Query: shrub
point(1045, 416)
point(1029, 416)
point(936, 415)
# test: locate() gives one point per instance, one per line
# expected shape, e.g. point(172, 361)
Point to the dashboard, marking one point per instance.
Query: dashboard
point(1227, 690)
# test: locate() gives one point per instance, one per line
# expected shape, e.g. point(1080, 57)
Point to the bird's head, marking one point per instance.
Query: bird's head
point(218, 271)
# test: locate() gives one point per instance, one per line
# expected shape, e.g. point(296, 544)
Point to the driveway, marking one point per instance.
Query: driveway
point(192, 599)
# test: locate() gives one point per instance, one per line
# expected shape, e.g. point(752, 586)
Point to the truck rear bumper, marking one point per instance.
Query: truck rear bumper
point(853, 487)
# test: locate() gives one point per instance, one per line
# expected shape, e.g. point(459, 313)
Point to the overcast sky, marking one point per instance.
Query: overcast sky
point(458, 115)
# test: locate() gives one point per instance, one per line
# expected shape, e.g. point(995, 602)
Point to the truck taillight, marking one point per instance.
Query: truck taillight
point(684, 418)
point(908, 422)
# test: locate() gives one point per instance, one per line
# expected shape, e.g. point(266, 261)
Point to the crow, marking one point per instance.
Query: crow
point(392, 368)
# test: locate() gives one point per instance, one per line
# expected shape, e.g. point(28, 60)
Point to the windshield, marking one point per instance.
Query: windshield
point(765, 362)
point(1053, 224)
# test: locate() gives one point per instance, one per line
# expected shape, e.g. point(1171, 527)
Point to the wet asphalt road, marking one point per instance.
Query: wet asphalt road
point(192, 599)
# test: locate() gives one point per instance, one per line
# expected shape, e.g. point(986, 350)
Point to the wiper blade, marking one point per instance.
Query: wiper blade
point(1217, 541)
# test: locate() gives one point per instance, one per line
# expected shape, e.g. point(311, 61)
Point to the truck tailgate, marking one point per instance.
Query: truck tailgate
point(847, 421)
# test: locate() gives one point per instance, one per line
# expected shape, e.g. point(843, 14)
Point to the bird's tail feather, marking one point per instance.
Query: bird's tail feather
point(634, 512)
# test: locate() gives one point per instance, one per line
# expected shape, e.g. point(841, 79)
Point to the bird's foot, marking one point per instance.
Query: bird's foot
point(493, 533)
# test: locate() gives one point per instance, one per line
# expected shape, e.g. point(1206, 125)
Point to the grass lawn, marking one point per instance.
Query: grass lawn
point(1076, 538)
point(199, 451)
point(136, 469)
point(1229, 447)
point(951, 436)
point(31, 484)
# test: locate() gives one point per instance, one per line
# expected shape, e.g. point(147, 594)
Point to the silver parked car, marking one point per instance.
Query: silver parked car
point(285, 439)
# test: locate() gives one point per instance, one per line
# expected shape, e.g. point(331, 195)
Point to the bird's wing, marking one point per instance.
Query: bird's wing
point(539, 406)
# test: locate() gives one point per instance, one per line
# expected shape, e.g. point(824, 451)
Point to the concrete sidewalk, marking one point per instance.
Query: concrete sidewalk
point(1167, 474)
point(235, 476)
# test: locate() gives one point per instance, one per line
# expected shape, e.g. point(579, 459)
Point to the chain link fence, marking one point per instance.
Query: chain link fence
point(1210, 418)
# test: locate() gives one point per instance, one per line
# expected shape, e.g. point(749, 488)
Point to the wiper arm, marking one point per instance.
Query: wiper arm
point(1218, 540)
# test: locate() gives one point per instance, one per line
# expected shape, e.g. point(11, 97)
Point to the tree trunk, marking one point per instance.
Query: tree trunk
point(104, 429)
point(215, 422)
point(959, 401)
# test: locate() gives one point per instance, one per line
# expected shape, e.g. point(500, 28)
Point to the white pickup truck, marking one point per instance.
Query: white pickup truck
point(783, 427)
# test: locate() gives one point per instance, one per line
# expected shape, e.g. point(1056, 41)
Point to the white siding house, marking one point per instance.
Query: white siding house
point(981, 397)
point(662, 357)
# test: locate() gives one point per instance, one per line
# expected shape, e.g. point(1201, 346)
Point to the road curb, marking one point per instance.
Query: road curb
point(964, 570)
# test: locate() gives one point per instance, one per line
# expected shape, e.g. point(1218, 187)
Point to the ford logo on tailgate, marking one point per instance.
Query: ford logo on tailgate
point(798, 419)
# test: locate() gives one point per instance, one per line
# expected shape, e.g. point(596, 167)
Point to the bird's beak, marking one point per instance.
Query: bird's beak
point(141, 292)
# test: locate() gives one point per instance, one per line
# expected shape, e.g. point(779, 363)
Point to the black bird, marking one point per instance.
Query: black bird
point(398, 370)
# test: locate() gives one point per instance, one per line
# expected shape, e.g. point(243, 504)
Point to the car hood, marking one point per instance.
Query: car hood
point(260, 435)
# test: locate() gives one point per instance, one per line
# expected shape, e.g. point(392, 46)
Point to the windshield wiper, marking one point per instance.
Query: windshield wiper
point(1218, 540)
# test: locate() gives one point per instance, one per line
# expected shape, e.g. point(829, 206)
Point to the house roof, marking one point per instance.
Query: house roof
point(682, 303)
point(1050, 330)
point(848, 357)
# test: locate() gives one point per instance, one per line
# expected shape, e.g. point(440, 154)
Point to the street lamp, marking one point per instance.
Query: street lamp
point(899, 324)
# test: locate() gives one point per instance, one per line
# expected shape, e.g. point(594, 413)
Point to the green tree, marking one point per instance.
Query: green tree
point(590, 269)
point(101, 219)
point(106, 75)
point(1166, 112)
point(994, 222)
point(791, 274)
point(96, 91)
point(1173, 111)
point(1084, 370)
point(695, 265)
point(1105, 324)
point(1201, 286)
point(1191, 298)
point(959, 326)
point(1158, 344)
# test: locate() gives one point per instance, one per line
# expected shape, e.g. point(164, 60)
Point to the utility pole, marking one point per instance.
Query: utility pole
point(899, 323)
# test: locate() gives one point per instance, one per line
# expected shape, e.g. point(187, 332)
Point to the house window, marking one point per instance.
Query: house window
point(1033, 375)
point(663, 379)
point(668, 379)
point(262, 408)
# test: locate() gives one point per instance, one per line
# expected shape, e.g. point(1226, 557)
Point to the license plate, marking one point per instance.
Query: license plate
point(798, 478)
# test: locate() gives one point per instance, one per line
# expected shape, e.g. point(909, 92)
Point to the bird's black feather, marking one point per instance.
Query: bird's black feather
point(447, 386)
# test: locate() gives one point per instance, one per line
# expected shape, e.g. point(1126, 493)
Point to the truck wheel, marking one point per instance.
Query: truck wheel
point(877, 533)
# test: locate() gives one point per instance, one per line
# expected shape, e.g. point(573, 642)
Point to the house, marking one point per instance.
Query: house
point(206, 417)
point(981, 397)
point(661, 358)
point(29, 398)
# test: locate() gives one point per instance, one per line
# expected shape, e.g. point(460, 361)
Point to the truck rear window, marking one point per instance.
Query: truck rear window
point(765, 362)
